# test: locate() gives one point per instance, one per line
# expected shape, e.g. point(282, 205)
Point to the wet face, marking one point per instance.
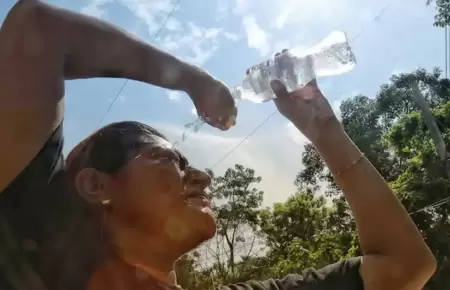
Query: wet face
point(159, 193)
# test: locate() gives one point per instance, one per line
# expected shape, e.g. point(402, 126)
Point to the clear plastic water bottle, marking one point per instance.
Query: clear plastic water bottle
point(294, 68)
point(332, 56)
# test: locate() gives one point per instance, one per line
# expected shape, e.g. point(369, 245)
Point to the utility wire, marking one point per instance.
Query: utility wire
point(375, 19)
point(157, 33)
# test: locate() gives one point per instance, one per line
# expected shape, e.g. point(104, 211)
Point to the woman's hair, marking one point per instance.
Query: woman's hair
point(109, 148)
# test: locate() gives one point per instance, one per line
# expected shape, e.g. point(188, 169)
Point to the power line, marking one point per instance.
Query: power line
point(375, 19)
point(244, 139)
point(157, 33)
point(433, 205)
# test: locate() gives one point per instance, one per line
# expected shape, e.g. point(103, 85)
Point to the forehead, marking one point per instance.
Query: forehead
point(134, 145)
point(148, 140)
point(128, 142)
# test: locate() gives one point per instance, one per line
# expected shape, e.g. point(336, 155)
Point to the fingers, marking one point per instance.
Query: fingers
point(249, 70)
point(277, 86)
point(279, 89)
point(225, 121)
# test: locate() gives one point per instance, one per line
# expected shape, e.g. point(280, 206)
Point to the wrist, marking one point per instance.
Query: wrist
point(192, 77)
point(336, 147)
point(328, 133)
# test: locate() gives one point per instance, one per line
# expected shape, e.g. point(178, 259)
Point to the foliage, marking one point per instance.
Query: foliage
point(311, 229)
point(442, 17)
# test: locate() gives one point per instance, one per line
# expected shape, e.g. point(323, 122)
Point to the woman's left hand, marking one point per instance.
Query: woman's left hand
point(307, 108)
point(213, 101)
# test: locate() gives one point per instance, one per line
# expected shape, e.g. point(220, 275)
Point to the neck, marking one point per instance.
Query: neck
point(146, 253)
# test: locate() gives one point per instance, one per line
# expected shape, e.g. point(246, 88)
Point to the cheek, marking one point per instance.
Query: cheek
point(148, 194)
point(161, 178)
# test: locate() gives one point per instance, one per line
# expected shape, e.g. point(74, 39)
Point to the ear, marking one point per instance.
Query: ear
point(91, 184)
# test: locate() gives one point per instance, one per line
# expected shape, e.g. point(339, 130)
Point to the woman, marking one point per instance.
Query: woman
point(154, 208)
point(128, 186)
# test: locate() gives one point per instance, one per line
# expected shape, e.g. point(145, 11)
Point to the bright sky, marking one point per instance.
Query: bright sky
point(227, 36)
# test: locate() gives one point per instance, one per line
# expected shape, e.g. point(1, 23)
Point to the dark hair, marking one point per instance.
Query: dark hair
point(109, 148)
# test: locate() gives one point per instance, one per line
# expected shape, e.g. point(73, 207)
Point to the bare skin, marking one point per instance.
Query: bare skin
point(157, 211)
point(395, 254)
point(42, 46)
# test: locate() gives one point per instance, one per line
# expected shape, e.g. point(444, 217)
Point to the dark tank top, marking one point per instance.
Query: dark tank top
point(46, 240)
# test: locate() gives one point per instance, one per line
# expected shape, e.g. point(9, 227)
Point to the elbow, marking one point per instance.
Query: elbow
point(27, 18)
point(425, 266)
point(418, 269)
point(26, 11)
point(28, 29)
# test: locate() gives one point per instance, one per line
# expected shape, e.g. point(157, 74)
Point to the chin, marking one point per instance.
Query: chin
point(203, 233)
point(205, 228)
point(209, 229)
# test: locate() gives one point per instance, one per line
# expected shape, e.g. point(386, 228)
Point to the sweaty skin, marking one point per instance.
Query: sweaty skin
point(42, 46)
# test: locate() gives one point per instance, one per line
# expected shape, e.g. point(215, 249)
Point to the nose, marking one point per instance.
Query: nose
point(198, 178)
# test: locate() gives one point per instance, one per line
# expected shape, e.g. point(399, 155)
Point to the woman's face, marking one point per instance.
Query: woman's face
point(159, 193)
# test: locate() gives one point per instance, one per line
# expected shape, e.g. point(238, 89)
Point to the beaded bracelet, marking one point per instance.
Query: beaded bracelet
point(339, 173)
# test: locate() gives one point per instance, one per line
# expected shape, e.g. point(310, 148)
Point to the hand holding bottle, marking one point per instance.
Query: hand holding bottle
point(307, 108)
point(213, 101)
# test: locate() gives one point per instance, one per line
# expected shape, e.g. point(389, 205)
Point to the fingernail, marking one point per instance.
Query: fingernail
point(231, 121)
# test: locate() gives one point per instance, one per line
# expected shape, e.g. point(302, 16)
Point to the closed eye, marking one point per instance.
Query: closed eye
point(170, 154)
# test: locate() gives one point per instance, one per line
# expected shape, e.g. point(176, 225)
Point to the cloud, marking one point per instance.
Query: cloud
point(285, 14)
point(304, 23)
point(173, 25)
point(153, 13)
point(256, 37)
point(96, 8)
point(232, 36)
point(174, 95)
point(194, 111)
point(278, 167)
point(185, 39)
point(242, 7)
point(319, 12)
point(222, 10)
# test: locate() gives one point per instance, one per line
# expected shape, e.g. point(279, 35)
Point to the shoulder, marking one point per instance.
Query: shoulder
point(340, 275)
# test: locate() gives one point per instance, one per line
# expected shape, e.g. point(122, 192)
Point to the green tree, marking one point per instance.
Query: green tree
point(236, 205)
point(391, 131)
point(442, 17)
point(424, 182)
point(312, 230)
point(303, 232)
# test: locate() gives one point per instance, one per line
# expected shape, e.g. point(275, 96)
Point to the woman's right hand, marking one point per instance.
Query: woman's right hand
point(307, 108)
